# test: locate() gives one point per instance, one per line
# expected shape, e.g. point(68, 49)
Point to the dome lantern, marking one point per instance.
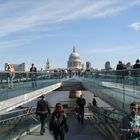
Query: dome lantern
point(74, 50)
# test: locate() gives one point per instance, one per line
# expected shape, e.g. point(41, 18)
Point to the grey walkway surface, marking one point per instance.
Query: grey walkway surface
point(76, 132)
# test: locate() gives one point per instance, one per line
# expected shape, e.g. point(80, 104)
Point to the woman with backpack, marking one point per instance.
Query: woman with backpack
point(58, 122)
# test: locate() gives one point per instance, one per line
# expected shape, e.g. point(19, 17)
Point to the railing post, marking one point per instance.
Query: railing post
point(123, 93)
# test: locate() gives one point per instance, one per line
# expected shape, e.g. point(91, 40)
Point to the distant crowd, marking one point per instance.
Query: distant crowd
point(128, 66)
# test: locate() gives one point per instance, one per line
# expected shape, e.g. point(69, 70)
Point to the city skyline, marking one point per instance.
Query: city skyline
point(34, 31)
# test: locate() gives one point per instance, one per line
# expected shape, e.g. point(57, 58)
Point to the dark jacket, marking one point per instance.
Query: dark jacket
point(120, 67)
point(42, 107)
point(136, 72)
point(81, 102)
point(58, 123)
point(94, 102)
point(33, 69)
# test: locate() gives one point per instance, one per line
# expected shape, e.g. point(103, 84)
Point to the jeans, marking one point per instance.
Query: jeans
point(42, 121)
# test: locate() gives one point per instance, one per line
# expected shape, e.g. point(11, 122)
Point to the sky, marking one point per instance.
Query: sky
point(33, 31)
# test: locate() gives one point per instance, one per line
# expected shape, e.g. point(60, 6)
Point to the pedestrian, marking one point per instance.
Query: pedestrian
point(136, 72)
point(94, 102)
point(10, 75)
point(58, 122)
point(81, 102)
point(33, 74)
point(120, 71)
point(42, 110)
point(137, 64)
point(120, 66)
point(130, 124)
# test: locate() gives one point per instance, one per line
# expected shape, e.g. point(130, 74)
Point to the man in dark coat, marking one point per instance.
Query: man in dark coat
point(94, 102)
point(81, 102)
point(136, 72)
point(42, 110)
point(121, 71)
point(137, 64)
point(33, 74)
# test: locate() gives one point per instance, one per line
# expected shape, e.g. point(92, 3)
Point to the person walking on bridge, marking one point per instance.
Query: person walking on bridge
point(94, 102)
point(81, 102)
point(33, 74)
point(42, 110)
point(58, 122)
point(136, 72)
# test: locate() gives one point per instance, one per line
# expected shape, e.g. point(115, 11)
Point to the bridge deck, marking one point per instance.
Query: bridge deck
point(76, 132)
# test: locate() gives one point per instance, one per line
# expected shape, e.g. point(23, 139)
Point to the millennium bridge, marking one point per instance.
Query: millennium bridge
point(116, 88)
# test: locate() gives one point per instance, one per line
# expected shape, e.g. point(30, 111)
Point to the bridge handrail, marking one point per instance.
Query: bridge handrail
point(26, 115)
point(118, 89)
point(107, 124)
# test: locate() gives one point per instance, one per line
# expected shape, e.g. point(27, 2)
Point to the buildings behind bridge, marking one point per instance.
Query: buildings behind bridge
point(74, 63)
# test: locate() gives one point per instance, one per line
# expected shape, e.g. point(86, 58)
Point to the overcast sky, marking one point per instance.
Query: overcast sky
point(33, 31)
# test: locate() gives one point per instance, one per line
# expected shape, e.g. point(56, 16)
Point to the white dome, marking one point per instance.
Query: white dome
point(74, 61)
point(74, 55)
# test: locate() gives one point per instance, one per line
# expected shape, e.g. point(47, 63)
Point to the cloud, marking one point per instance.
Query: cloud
point(12, 43)
point(34, 13)
point(42, 17)
point(20, 41)
point(135, 26)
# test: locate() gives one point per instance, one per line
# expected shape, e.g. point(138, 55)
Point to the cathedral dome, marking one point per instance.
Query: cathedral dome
point(74, 61)
point(74, 55)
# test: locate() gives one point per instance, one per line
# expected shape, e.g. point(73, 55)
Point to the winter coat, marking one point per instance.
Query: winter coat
point(58, 123)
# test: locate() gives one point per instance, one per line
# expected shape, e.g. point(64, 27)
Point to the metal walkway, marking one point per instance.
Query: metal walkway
point(117, 90)
point(76, 132)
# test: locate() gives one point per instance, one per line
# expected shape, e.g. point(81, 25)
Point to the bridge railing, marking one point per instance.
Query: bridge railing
point(106, 121)
point(21, 121)
point(16, 123)
point(118, 88)
point(23, 82)
point(129, 77)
